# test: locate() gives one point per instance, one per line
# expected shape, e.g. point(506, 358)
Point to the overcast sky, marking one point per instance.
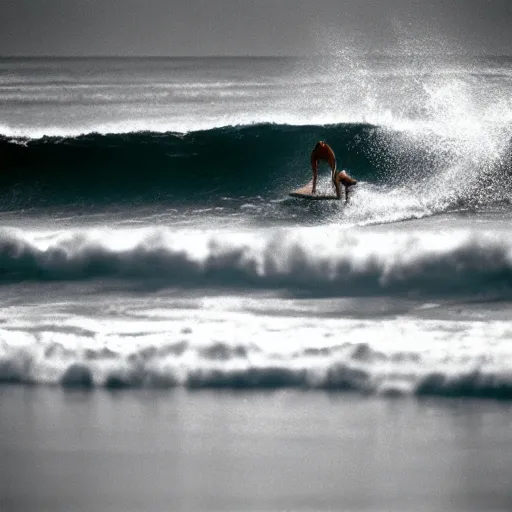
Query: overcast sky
point(253, 27)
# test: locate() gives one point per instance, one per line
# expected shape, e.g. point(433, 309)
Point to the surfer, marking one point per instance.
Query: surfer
point(323, 152)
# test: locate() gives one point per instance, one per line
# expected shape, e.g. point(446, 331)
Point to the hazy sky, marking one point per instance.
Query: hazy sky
point(252, 27)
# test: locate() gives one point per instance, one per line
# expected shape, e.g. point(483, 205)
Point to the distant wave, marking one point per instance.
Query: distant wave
point(307, 261)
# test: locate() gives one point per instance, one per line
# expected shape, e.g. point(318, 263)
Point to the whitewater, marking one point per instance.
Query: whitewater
point(147, 239)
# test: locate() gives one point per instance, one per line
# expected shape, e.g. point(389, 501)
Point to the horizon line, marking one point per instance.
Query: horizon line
point(247, 56)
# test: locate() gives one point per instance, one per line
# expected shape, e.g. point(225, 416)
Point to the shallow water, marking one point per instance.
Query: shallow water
point(150, 451)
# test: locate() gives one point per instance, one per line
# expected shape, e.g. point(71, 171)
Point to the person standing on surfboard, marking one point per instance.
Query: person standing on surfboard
point(323, 152)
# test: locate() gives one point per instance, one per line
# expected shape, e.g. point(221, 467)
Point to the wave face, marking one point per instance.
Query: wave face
point(236, 160)
point(239, 160)
point(307, 261)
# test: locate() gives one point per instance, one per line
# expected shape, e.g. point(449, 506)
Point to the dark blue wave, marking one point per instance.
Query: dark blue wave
point(235, 160)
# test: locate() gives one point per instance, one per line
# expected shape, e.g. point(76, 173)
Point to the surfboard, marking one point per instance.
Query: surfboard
point(305, 193)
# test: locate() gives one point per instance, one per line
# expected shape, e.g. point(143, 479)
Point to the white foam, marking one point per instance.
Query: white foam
point(324, 260)
point(229, 347)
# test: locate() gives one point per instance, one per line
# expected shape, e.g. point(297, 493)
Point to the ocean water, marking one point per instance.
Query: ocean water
point(147, 239)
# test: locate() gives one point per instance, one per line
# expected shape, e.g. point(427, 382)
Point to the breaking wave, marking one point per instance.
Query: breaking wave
point(262, 159)
point(237, 160)
point(348, 367)
point(319, 261)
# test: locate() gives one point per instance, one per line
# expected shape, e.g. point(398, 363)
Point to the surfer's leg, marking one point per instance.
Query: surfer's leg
point(336, 185)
